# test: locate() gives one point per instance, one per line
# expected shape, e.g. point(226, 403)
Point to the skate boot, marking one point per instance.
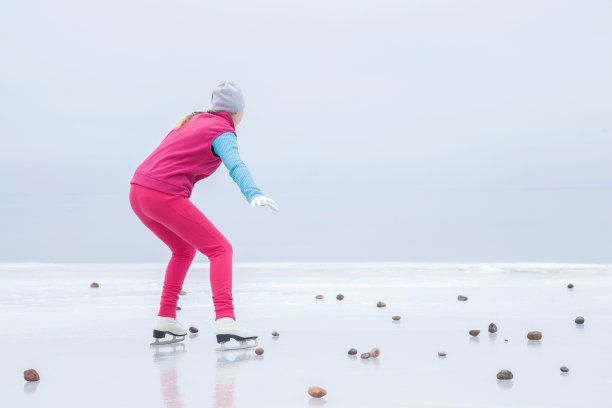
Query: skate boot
point(167, 325)
point(227, 328)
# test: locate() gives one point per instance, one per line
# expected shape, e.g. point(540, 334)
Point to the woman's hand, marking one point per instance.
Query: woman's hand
point(262, 200)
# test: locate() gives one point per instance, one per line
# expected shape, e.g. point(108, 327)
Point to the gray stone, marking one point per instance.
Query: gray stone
point(505, 375)
point(534, 335)
point(31, 375)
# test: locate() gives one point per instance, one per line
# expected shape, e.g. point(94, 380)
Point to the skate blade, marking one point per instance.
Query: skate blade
point(175, 339)
point(242, 345)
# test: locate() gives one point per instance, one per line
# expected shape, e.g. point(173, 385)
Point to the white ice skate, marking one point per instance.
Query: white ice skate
point(227, 328)
point(167, 325)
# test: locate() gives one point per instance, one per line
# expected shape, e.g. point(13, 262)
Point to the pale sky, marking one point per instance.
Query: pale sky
point(442, 131)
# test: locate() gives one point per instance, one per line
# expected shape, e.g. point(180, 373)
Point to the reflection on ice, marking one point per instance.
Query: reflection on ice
point(163, 353)
point(505, 384)
point(228, 358)
point(229, 363)
point(374, 362)
point(166, 358)
point(316, 402)
point(30, 387)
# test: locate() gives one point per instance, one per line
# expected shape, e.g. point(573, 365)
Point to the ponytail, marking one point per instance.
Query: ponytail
point(187, 118)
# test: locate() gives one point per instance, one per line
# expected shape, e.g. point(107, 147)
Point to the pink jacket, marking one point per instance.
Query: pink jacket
point(185, 156)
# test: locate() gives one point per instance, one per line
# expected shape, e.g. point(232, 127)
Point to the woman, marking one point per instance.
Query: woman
point(159, 195)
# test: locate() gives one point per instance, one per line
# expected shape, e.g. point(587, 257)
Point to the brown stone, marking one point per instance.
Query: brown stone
point(352, 351)
point(275, 333)
point(319, 297)
point(365, 355)
point(259, 351)
point(579, 320)
point(505, 375)
point(534, 335)
point(31, 375)
point(316, 392)
point(193, 329)
point(396, 317)
point(94, 285)
point(442, 353)
point(570, 286)
point(380, 304)
point(492, 328)
point(340, 296)
point(474, 333)
point(375, 352)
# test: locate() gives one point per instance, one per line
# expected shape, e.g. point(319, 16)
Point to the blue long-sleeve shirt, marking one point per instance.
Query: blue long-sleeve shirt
point(226, 147)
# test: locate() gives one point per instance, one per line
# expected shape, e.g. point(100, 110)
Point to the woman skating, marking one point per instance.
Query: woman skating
point(159, 195)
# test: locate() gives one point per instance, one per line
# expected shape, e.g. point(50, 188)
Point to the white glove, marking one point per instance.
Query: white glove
point(261, 200)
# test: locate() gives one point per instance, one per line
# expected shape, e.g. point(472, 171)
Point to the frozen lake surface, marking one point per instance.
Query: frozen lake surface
point(91, 346)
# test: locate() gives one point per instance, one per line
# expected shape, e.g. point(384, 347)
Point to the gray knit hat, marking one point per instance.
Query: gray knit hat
point(227, 96)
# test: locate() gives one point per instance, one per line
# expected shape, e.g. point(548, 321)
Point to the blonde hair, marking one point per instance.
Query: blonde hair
point(188, 117)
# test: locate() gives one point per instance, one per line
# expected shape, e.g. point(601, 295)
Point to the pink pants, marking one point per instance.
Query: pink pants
point(181, 226)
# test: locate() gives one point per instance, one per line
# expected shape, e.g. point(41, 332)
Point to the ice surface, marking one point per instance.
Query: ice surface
point(91, 346)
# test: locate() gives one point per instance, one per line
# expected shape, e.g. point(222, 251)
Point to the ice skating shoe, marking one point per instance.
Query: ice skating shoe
point(167, 325)
point(227, 328)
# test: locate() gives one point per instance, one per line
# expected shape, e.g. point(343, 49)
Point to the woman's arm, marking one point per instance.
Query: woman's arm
point(226, 147)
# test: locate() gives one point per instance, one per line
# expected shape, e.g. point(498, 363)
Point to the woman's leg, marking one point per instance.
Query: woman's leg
point(190, 224)
point(180, 216)
point(182, 255)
